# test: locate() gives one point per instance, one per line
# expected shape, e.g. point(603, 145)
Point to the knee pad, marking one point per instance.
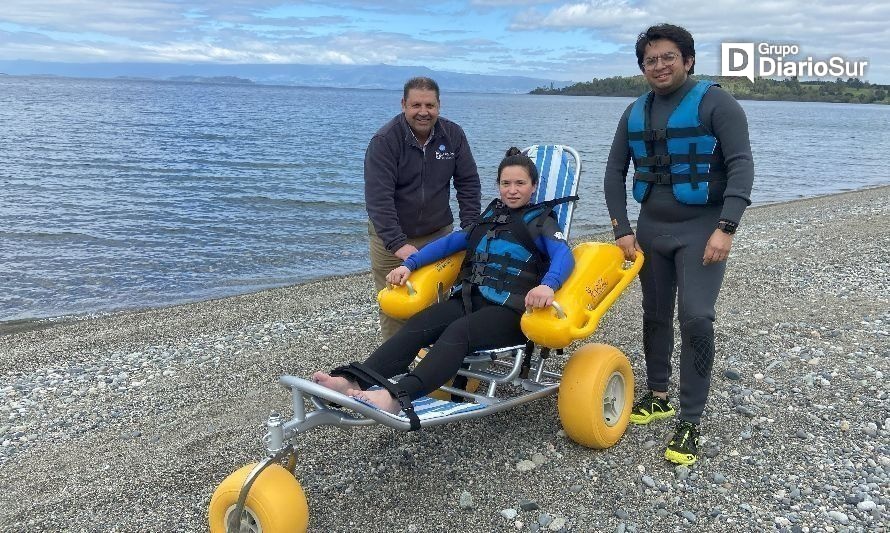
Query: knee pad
point(698, 334)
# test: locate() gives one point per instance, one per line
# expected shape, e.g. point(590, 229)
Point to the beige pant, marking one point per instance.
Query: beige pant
point(382, 262)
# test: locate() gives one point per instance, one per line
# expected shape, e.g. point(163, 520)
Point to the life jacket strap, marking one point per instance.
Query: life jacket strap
point(667, 178)
point(652, 135)
point(489, 257)
point(550, 205)
point(667, 160)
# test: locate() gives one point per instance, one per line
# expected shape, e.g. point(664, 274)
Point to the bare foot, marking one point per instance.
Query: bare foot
point(337, 383)
point(380, 398)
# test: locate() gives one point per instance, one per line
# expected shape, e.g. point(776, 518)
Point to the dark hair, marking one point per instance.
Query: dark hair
point(515, 157)
point(423, 83)
point(679, 36)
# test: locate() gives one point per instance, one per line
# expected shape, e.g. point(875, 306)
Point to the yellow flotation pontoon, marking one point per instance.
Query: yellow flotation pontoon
point(599, 276)
point(426, 286)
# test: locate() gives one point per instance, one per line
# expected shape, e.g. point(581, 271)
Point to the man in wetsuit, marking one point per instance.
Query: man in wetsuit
point(409, 166)
point(693, 176)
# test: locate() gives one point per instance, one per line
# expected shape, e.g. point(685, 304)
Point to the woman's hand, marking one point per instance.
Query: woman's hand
point(398, 276)
point(540, 296)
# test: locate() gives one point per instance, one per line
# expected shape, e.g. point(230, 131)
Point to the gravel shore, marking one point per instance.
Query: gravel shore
point(128, 422)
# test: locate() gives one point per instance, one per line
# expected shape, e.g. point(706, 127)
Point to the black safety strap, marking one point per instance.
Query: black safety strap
point(550, 205)
point(654, 161)
point(479, 271)
point(647, 125)
point(668, 160)
point(667, 178)
point(654, 136)
point(693, 167)
point(459, 382)
point(501, 279)
point(689, 131)
point(485, 257)
point(465, 289)
point(365, 373)
point(527, 360)
point(480, 228)
point(647, 135)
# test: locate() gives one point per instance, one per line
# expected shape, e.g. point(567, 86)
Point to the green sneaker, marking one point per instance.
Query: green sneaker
point(649, 408)
point(683, 448)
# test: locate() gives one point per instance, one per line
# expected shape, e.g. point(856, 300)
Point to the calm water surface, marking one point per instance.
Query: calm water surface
point(121, 194)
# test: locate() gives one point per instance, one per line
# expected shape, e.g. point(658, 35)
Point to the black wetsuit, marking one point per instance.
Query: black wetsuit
point(453, 335)
point(673, 236)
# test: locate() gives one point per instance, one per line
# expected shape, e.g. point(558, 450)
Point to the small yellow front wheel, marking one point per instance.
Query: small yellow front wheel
point(275, 504)
point(596, 395)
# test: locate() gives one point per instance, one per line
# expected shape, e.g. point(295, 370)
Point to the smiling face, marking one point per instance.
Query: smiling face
point(515, 186)
point(665, 78)
point(421, 109)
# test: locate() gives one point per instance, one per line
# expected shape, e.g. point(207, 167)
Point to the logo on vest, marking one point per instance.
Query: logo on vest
point(559, 236)
point(442, 154)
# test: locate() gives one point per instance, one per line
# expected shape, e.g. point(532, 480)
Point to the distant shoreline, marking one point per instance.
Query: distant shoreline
point(10, 327)
point(851, 91)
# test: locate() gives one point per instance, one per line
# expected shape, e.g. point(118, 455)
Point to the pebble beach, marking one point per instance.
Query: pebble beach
point(128, 421)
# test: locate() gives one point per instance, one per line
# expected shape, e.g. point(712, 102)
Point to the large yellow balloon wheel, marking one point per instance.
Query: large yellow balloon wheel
point(596, 395)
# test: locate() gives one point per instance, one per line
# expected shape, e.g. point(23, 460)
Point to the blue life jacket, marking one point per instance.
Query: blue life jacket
point(503, 260)
point(689, 164)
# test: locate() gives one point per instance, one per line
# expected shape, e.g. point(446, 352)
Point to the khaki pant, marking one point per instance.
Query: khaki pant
point(382, 262)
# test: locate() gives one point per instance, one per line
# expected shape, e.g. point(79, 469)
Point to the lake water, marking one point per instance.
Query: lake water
point(124, 194)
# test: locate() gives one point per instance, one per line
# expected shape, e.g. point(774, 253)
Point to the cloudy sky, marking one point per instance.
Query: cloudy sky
point(560, 40)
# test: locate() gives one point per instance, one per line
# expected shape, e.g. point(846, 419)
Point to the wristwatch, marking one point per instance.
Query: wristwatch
point(727, 227)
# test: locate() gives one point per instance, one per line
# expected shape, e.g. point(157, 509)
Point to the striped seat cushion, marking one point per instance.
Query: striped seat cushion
point(557, 179)
point(428, 408)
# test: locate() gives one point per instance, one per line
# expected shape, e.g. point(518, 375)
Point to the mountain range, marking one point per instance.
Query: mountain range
point(342, 76)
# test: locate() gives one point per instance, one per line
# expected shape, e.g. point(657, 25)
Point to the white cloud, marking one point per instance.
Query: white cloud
point(600, 14)
point(822, 28)
point(502, 3)
point(130, 18)
point(403, 32)
point(352, 48)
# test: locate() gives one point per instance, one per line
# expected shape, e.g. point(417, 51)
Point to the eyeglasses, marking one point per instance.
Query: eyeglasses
point(667, 59)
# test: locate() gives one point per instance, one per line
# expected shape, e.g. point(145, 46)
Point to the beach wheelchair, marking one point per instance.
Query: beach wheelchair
point(595, 387)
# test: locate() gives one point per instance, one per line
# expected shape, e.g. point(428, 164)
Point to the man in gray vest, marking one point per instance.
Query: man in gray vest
point(693, 173)
point(409, 166)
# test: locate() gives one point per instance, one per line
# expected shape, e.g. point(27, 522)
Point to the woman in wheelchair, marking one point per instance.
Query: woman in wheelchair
point(516, 257)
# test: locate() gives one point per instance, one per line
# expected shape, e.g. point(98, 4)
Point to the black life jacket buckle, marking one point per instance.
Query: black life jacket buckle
point(655, 135)
point(662, 178)
point(662, 160)
point(501, 219)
